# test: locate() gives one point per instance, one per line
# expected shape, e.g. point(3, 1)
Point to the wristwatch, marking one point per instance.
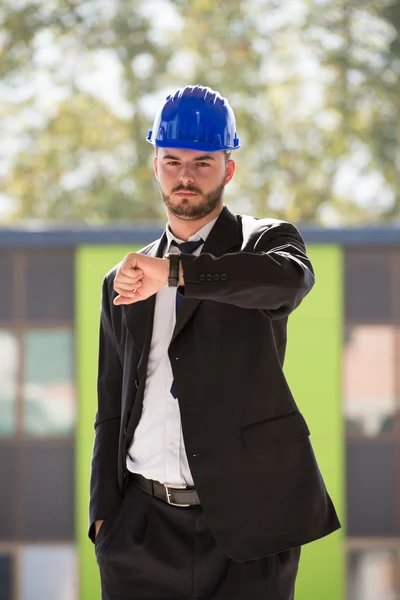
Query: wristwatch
point(173, 276)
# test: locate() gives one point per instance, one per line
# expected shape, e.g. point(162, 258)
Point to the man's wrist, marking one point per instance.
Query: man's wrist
point(166, 270)
point(181, 278)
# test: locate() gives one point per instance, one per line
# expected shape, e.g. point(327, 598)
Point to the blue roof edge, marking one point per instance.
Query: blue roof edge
point(77, 236)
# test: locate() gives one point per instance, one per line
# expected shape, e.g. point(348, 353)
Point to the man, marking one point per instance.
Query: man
point(204, 482)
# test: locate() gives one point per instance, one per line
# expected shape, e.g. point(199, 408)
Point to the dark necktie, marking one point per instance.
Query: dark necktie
point(185, 248)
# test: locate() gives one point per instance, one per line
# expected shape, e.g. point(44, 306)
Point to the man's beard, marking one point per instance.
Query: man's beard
point(195, 211)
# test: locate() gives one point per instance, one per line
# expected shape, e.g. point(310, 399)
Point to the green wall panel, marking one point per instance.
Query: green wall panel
point(313, 369)
point(92, 263)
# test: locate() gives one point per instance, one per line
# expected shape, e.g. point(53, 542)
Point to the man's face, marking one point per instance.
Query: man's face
point(191, 182)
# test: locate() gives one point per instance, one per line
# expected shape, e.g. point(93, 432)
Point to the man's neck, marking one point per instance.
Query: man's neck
point(183, 229)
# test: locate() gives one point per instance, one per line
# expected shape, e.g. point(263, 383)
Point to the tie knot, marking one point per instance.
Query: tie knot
point(187, 247)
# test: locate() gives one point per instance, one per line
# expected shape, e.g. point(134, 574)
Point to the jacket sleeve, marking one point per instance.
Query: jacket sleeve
point(104, 493)
point(273, 273)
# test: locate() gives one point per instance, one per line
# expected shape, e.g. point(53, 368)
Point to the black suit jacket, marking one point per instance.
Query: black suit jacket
point(247, 443)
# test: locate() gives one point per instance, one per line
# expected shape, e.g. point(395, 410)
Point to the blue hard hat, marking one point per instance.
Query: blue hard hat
point(195, 118)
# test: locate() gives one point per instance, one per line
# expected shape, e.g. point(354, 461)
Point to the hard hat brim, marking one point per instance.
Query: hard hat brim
point(190, 145)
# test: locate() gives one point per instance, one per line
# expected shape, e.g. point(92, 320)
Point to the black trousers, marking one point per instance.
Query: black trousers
point(150, 550)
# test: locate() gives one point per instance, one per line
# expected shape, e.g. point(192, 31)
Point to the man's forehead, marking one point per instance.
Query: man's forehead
point(183, 154)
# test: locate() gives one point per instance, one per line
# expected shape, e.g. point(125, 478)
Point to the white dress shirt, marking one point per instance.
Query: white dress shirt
point(158, 450)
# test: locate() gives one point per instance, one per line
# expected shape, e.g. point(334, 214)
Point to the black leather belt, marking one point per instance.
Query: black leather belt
point(171, 494)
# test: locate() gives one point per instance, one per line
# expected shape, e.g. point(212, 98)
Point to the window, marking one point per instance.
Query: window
point(369, 379)
point(373, 574)
point(48, 390)
point(49, 573)
point(9, 357)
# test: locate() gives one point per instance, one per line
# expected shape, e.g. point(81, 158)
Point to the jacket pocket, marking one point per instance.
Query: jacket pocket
point(273, 433)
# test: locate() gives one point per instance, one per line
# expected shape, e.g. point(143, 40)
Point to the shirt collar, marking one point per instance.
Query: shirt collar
point(201, 233)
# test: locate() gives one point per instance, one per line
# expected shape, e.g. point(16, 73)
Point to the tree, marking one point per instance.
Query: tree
point(82, 161)
point(314, 85)
point(316, 115)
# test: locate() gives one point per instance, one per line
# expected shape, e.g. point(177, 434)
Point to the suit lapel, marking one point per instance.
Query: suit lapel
point(225, 236)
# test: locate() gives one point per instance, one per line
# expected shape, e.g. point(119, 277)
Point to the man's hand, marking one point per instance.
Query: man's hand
point(139, 277)
point(97, 525)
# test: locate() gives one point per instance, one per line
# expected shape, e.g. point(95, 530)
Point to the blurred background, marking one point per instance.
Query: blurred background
point(315, 87)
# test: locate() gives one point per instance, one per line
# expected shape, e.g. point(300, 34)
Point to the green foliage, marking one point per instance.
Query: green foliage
point(315, 85)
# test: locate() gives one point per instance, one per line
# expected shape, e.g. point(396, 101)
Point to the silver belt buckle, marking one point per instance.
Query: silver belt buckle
point(177, 487)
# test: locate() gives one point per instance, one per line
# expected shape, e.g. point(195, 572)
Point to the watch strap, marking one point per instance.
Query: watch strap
point(173, 275)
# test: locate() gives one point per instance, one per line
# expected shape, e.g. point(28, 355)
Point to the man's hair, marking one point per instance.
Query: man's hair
point(226, 152)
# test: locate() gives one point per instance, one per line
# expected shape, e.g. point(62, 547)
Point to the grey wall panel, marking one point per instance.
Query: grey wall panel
point(370, 485)
point(47, 491)
point(8, 503)
point(6, 287)
point(6, 592)
point(368, 284)
point(50, 284)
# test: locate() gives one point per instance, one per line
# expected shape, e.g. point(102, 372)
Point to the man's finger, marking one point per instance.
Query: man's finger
point(130, 272)
point(129, 278)
point(125, 293)
point(130, 261)
point(127, 287)
point(124, 300)
point(127, 290)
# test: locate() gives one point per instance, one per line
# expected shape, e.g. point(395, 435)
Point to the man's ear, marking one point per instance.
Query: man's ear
point(230, 170)
point(155, 166)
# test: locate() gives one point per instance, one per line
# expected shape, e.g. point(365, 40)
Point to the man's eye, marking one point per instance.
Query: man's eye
point(172, 162)
point(203, 164)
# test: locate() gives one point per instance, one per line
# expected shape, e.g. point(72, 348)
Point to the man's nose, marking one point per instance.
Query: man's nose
point(186, 175)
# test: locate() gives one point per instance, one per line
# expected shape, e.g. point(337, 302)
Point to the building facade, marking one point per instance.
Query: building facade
point(343, 365)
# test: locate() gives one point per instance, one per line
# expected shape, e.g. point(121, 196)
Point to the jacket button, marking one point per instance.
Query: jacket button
point(224, 277)
point(209, 277)
point(216, 277)
point(202, 277)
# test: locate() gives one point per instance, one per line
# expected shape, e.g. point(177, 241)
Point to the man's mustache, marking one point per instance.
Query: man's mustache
point(190, 188)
